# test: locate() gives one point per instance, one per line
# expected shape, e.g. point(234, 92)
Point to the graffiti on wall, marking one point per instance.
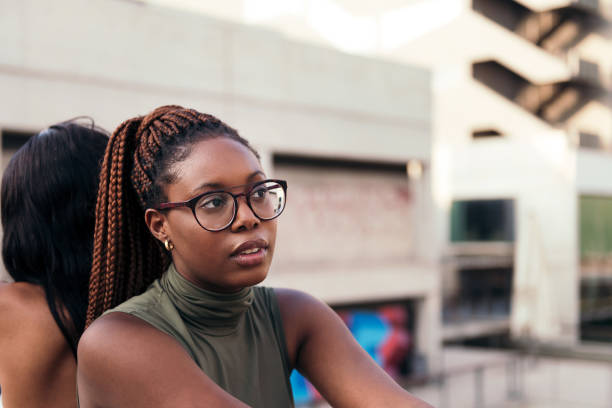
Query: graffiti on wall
point(382, 332)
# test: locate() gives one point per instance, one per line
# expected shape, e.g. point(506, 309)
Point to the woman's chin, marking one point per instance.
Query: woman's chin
point(242, 279)
point(254, 278)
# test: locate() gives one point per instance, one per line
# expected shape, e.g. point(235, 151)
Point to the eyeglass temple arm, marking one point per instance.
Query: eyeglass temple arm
point(166, 206)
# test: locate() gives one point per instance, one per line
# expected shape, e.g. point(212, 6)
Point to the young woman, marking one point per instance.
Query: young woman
point(182, 193)
point(48, 214)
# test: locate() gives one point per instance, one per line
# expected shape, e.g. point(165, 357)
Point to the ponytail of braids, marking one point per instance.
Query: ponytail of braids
point(121, 238)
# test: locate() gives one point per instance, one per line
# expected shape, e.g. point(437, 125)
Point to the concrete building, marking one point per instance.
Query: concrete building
point(536, 138)
point(520, 154)
point(526, 153)
point(351, 134)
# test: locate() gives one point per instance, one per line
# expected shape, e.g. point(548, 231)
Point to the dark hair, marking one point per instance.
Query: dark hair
point(48, 214)
point(139, 162)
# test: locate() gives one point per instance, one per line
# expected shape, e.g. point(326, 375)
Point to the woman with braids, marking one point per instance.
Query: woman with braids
point(186, 214)
point(48, 215)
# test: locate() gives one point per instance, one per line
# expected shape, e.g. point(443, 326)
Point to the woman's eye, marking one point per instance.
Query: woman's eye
point(214, 202)
point(259, 193)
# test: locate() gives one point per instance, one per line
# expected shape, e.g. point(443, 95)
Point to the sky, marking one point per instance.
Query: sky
point(354, 26)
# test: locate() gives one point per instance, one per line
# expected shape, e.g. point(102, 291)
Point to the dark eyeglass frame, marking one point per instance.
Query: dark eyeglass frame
point(191, 203)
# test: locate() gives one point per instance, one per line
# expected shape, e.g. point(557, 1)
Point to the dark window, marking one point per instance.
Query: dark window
point(482, 220)
point(14, 139)
point(482, 294)
point(596, 268)
point(596, 309)
point(342, 164)
point(485, 133)
point(589, 140)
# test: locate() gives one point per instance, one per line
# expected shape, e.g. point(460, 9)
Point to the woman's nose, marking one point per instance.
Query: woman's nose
point(245, 218)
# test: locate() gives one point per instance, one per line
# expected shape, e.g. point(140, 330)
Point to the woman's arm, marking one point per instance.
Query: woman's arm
point(125, 362)
point(324, 350)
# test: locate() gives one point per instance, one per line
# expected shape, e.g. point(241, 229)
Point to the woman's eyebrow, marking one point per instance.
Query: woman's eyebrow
point(212, 186)
point(219, 186)
point(255, 174)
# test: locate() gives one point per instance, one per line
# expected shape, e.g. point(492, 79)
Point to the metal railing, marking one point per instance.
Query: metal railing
point(476, 376)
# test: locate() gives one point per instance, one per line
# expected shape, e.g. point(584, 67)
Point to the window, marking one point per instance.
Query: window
point(589, 140)
point(14, 139)
point(596, 268)
point(484, 293)
point(482, 220)
point(485, 134)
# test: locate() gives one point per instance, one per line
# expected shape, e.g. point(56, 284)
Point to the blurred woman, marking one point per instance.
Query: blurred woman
point(48, 213)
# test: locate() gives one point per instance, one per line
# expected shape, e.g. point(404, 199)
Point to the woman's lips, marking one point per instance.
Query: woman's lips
point(250, 246)
point(250, 253)
point(251, 257)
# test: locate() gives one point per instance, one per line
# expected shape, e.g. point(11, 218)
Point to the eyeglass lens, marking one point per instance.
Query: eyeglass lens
point(215, 211)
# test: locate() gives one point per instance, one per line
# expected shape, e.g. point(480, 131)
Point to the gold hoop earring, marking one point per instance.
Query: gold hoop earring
point(169, 245)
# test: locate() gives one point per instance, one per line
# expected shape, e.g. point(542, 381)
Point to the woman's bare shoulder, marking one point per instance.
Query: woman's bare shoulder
point(24, 313)
point(299, 312)
point(290, 299)
point(125, 362)
point(36, 363)
point(19, 293)
point(112, 332)
point(294, 303)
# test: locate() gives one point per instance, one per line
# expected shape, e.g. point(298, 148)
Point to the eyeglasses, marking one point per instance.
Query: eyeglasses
point(216, 210)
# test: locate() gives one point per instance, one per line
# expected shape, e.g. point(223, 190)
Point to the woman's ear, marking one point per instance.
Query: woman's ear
point(157, 224)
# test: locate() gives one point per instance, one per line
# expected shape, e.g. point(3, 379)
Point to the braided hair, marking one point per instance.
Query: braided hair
point(139, 162)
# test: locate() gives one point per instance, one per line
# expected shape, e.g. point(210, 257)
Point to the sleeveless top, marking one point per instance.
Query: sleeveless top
point(237, 339)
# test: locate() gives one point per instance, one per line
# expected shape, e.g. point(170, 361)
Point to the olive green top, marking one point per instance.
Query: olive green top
point(237, 339)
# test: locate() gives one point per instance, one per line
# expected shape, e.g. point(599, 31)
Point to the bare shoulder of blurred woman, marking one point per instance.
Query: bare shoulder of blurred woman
point(48, 203)
point(36, 364)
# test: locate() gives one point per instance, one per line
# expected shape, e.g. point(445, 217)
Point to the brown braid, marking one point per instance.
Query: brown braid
point(137, 165)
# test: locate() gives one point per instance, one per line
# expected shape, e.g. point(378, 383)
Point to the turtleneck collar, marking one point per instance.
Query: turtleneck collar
point(210, 312)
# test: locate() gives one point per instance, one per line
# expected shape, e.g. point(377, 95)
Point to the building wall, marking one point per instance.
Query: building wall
point(245, 75)
point(113, 59)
